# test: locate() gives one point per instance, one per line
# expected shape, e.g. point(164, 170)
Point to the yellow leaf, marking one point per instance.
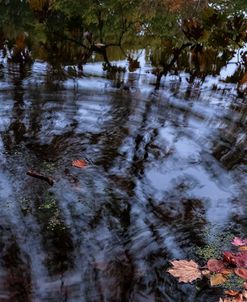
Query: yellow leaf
point(217, 279)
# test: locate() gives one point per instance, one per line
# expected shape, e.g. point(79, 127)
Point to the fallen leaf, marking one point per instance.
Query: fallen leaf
point(239, 242)
point(186, 271)
point(217, 279)
point(244, 293)
point(241, 272)
point(239, 259)
point(243, 248)
point(226, 271)
point(232, 299)
point(79, 163)
point(215, 265)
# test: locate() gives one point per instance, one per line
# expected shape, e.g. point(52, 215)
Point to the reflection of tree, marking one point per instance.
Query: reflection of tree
point(230, 147)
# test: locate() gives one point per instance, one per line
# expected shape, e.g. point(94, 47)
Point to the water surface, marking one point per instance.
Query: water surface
point(165, 166)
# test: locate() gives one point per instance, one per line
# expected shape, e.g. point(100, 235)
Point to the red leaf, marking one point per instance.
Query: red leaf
point(241, 272)
point(79, 163)
point(239, 259)
point(215, 265)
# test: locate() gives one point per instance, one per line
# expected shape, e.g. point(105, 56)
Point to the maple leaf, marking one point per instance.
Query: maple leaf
point(215, 265)
point(186, 271)
point(239, 242)
point(241, 272)
point(217, 279)
point(79, 163)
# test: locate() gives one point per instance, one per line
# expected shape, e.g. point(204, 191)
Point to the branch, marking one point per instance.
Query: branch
point(41, 176)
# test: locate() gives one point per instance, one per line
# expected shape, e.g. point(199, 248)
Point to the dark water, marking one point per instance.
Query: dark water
point(164, 168)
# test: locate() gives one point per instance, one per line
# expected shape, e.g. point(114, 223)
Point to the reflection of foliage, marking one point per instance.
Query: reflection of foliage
point(66, 31)
point(25, 204)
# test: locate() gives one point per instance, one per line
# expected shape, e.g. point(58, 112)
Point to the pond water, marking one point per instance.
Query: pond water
point(164, 167)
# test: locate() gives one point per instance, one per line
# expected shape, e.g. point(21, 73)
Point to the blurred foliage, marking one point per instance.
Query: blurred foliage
point(69, 31)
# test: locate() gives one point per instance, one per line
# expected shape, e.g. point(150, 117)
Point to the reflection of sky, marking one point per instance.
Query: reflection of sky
point(103, 124)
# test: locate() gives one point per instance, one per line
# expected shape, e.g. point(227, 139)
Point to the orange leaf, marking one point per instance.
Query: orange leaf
point(226, 271)
point(79, 163)
point(186, 271)
point(217, 279)
point(243, 248)
point(231, 292)
point(241, 272)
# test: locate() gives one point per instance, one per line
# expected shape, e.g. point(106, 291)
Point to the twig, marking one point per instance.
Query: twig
point(41, 176)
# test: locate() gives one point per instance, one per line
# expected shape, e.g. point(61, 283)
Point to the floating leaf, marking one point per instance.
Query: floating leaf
point(239, 259)
point(79, 163)
point(215, 265)
point(217, 279)
point(238, 298)
point(186, 271)
point(239, 242)
point(241, 272)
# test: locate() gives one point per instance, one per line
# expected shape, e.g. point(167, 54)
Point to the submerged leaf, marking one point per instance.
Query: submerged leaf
point(186, 271)
point(79, 163)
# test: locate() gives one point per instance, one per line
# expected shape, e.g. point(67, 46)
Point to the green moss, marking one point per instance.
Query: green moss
point(48, 167)
point(50, 213)
point(217, 243)
point(234, 282)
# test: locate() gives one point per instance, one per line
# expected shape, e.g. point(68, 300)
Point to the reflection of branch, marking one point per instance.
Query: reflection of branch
point(66, 38)
point(167, 67)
